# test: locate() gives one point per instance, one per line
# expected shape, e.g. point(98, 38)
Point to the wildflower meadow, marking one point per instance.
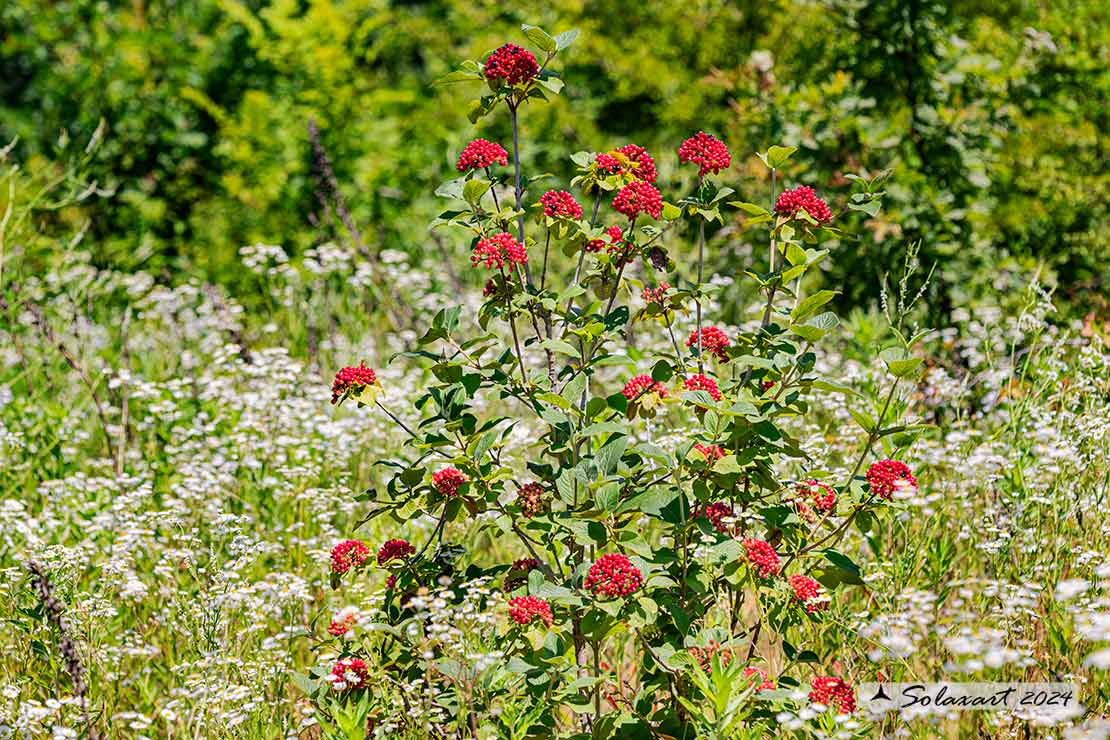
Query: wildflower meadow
point(624, 441)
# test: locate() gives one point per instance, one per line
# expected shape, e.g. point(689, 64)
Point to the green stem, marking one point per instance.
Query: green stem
point(519, 189)
point(697, 297)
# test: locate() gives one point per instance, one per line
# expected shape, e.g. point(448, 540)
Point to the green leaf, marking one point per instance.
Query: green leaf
point(304, 683)
point(560, 347)
point(662, 372)
point(618, 402)
point(608, 496)
point(572, 391)
point(485, 443)
point(835, 387)
point(726, 465)
point(752, 208)
point(900, 362)
point(776, 156)
point(864, 419)
point(474, 190)
point(609, 455)
point(807, 332)
point(843, 568)
point(551, 83)
point(452, 78)
point(540, 38)
point(566, 38)
point(535, 580)
point(602, 427)
point(650, 502)
point(795, 255)
point(810, 304)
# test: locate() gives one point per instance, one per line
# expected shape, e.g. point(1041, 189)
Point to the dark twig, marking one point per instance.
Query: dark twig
point(52, 338)
point(326, 175)
point(55, 615)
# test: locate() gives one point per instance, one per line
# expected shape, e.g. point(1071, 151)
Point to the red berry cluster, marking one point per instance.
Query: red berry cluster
point(762, 557)
point(820, 496)
point(613, 576)
point(803, 198)
point(887, 476)
point(342, 624)
point(764, 681)
point(809, 593)
point(712, 453)
point(449, 480)
point(480, 154)
point(349, 554)
point(608, 164)
point(706, 151)
point(655, 295)
point(717, 512)
point(833, 692)
point(699, 382)
point(628, 160)
point(532, 499)
point(351, 380)
point(395, 549)
point(511, 63)
point(638, 197)
point(498, 249)
point(526, 609)
point(713, 342)
point(643, 166)
point(560, 204)
point(349, 674)
point(705, 655)
point(616, 241)
point(642, 385)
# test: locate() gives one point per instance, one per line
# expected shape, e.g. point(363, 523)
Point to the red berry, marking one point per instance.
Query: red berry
point(480, 154)
point(629, 160)
point(803, 198)
point(349, 554)
point(712, 453)
point(717, 512)
point(713, 342)
point(656, 295)
point(833, 692)
point(351, 380)
point(638, 197)
point(764, 682)
point(449, 480)
point(887, 476)
point(532, 499)
point(526, 609)
point(762, 557)
point(699, 382)
point(394, 550)
point(349, 674)
point(706, 151)
point(641, 385)
point(809, 593)
point(511, 64)
point(560, 204)
point(497, 250)
point(613, 576)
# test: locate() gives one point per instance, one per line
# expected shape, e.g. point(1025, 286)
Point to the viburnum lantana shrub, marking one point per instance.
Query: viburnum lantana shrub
point(659, 590)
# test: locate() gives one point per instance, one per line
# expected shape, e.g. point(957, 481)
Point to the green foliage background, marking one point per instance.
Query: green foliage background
point(993, 115)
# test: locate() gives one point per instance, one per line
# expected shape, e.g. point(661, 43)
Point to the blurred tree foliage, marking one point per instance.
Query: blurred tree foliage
point(992, 115)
